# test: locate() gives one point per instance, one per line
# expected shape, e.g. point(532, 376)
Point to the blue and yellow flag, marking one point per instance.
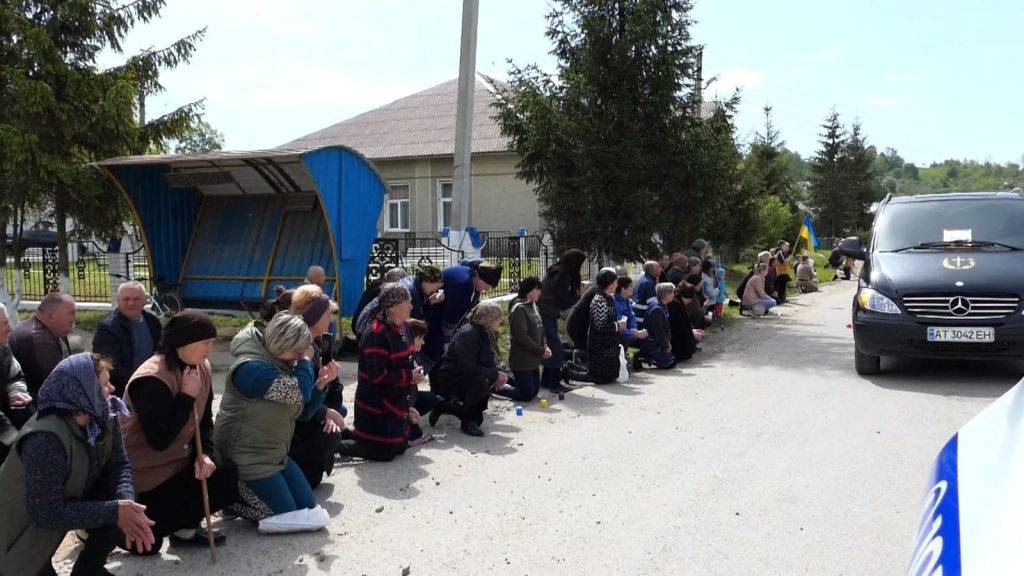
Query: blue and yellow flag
point(807, 234)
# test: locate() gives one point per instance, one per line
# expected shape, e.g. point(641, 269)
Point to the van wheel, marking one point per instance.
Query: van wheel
point(866, 364)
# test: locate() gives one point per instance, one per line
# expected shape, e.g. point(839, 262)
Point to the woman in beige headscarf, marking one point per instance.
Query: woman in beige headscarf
point(469, 370)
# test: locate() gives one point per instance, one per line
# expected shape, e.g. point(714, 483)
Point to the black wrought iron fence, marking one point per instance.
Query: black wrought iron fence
point(410, 252)
point(90, 270)
point(519, 257)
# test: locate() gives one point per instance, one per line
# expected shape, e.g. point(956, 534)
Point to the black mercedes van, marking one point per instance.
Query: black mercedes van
point(943, 277)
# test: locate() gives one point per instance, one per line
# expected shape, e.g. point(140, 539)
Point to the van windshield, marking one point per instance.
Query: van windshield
point(992, 224)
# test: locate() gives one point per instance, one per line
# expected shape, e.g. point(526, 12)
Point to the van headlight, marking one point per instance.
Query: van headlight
point(869, 299)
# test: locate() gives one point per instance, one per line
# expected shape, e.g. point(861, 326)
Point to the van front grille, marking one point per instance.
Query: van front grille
point(960, 306)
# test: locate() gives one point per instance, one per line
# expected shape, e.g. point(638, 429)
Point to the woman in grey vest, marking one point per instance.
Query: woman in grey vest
point(271, 385)
point(68, 471)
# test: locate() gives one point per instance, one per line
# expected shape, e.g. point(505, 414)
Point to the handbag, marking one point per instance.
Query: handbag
point(623, 366)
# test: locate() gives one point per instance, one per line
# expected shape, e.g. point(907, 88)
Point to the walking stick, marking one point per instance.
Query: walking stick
point(206, 493)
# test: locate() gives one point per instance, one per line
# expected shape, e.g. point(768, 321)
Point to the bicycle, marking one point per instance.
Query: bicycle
point(163, 301)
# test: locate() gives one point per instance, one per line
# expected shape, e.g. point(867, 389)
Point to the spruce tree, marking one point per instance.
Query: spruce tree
point(60, 112)
point(766, 173)
point(614, 143)
point(858, 178)
point(827, 192)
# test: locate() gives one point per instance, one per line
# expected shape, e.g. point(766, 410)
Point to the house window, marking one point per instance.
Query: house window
point(398, 207)
point(444, 204)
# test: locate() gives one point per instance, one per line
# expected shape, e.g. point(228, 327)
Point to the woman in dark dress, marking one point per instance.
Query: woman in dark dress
point(603, 345)
point(559, 291)
point(684, 337)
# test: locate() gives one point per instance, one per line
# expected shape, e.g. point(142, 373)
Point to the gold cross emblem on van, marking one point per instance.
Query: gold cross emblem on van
point(958, 263)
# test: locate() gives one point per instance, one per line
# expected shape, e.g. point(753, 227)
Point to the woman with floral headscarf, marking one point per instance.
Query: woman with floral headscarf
point(387, 381)
point(469, 370)
point(68, 470)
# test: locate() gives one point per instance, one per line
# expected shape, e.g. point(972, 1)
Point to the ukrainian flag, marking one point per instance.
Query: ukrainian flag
point(807, 234)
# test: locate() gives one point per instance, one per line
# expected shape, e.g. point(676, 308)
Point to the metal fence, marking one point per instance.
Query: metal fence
point(90, 270)
point(519, 257)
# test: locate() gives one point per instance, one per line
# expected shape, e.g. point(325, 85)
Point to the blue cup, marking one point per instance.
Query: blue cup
point(519, 410)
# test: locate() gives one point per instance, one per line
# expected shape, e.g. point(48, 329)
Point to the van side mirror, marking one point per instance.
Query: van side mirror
point(851, 248)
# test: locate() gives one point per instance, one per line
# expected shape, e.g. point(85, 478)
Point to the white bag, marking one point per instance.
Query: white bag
point(304, 520)
point(623, 366)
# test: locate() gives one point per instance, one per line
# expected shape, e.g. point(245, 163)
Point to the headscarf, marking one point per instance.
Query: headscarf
point(187, 327)
point(569, 264)
point(483, 315)
point(316, 310)
point(73, 386)
point(391, 294)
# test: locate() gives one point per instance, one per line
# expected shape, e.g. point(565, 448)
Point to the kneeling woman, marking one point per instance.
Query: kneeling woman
point(469, 370)
point(269, 387)
point(68, 470)
point(168, 394)
point(387, 380)
point(527, 348)
point(602, 336)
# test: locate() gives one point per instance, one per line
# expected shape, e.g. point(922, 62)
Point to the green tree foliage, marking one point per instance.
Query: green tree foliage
point(202, 137)
point(857, 162)
point(775, 221)
point(614, 143)
point(59, 112)
point(766, 170)
point(832, 206)
point(970, 176)
point(894, 175)
point(799, 171)
point(767, 178)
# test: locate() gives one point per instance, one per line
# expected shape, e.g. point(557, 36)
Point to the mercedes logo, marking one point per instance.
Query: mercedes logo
point(960, 306)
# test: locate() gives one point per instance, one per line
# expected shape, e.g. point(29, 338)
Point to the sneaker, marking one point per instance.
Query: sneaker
point(305, 520)
point(638, 362)
point(558, 388)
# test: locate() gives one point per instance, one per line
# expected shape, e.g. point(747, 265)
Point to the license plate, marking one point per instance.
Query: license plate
point(980, 335)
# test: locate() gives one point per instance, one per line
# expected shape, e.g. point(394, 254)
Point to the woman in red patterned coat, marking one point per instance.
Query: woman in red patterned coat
point(387, 379)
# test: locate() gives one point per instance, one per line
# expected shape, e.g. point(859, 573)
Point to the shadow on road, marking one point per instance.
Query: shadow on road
point(968, 379)
point(392, 480)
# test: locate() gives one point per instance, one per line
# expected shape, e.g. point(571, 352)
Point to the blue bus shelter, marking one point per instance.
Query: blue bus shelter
point(228, 227)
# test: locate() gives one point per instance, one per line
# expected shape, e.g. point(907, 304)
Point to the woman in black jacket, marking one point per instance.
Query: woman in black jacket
point(684, 337)
point(602, 336)
point(469, 369)
point(559, 291)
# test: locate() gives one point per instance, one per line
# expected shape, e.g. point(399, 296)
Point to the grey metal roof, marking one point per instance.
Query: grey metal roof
point(220, 156)
point(420, 125)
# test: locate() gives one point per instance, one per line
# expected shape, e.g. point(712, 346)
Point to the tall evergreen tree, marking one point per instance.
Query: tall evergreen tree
point(858, 178)
point(827, 192)
point(611, 141)
point(62, 112)
point(766, 173)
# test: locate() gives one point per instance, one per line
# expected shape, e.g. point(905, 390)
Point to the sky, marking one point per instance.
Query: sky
point(933, 79)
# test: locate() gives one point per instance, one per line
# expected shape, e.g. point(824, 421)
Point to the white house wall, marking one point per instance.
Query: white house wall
point(499, 202)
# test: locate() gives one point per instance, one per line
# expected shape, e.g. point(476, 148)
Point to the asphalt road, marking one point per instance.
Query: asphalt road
point(766, 455)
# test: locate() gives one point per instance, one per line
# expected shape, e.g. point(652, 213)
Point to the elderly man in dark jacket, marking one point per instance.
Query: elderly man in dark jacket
point(41, 342)
point(128, 335)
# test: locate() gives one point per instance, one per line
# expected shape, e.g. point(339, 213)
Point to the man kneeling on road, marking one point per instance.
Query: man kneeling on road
point(806, 277)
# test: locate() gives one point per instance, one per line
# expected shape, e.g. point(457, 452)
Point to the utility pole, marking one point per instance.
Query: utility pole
point(461, 185)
